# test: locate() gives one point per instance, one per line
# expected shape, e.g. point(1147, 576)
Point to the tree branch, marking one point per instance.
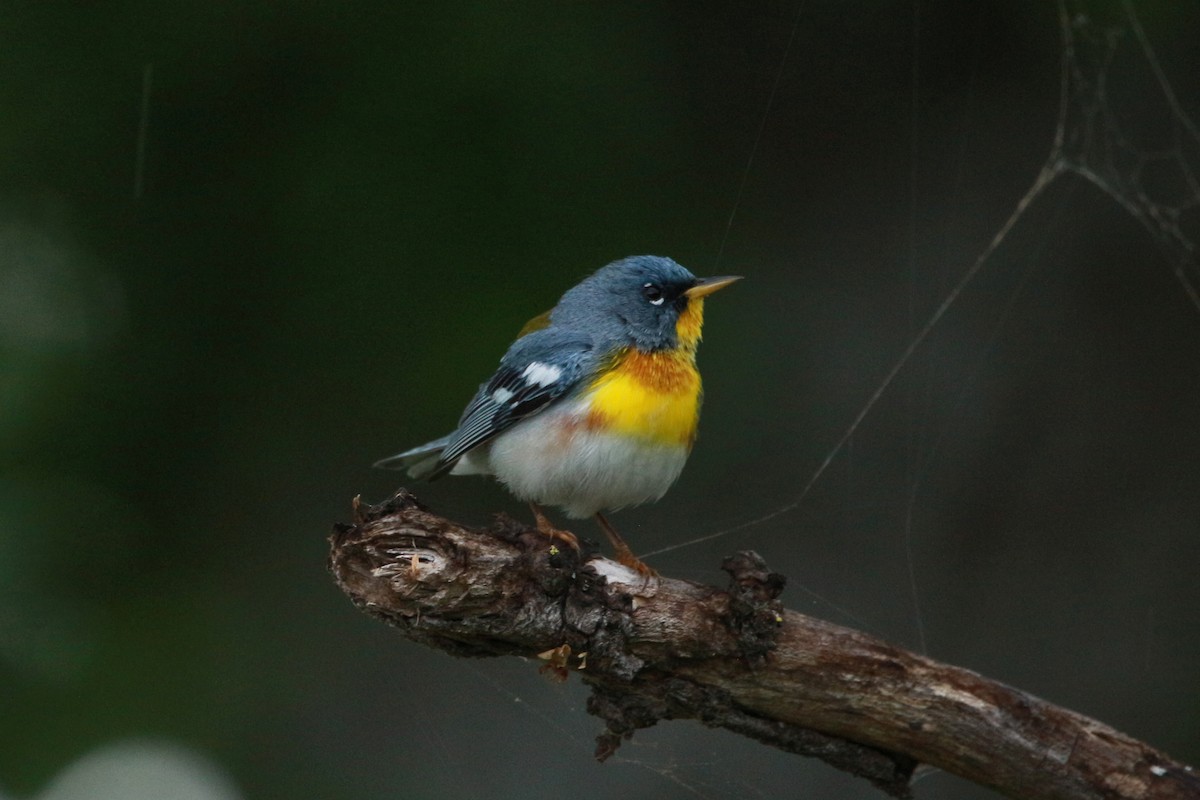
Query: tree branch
point(657, 649)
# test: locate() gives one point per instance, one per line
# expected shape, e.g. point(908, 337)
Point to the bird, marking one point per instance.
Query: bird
point(595, 405)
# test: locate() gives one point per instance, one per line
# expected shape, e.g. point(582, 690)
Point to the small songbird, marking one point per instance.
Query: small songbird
point(594, 407)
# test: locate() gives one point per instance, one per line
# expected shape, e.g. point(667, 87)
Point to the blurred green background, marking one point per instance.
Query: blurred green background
point(246, 249)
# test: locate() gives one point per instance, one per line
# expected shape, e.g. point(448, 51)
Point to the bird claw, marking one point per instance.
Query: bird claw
point(624, 555)
point(547, 527)
point(628, 559)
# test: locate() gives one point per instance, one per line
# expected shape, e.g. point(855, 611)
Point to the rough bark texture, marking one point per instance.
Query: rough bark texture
point(656, 649)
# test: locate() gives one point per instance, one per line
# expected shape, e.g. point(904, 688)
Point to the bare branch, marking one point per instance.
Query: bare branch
point(659, 648)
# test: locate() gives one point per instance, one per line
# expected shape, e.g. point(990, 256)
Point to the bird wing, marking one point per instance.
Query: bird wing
point(538, 369)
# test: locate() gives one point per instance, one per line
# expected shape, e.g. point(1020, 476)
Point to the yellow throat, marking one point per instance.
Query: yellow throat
point(653, 396)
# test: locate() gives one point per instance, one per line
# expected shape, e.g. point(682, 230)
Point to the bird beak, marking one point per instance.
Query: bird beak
point(706, 286)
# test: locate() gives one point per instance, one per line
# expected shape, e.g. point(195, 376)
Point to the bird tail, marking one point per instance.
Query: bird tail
point(420, 462)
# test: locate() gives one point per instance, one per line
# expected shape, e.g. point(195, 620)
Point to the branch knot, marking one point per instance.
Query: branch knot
point(755, 611)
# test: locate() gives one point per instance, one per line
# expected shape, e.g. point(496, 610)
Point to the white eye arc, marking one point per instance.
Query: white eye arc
point(653, 294)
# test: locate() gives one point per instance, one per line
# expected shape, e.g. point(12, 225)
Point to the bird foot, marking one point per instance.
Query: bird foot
point(628, 559)
point(624, 555)
point(547, 527)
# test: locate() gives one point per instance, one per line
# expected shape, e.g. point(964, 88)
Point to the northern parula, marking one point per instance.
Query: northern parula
point(595, 405)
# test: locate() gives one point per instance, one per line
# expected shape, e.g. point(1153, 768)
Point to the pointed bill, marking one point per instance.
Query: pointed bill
point(706, 286)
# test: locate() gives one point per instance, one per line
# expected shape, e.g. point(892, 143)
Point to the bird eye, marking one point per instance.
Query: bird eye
point(653, 294)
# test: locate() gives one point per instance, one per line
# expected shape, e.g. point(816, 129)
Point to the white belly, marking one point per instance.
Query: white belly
point(554, 459)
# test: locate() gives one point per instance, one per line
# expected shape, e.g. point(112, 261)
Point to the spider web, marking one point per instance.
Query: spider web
point(1155, 182)
point(1150, 175)
point(1120, 128)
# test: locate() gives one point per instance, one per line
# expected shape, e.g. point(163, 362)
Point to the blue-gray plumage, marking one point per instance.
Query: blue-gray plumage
point(511, 394)
point(552, 424)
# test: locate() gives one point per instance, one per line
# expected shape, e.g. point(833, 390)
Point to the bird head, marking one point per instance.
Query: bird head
point(649, 302)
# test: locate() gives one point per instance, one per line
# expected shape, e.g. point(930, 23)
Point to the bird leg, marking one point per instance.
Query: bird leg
point(547, 527)
point(624, 554)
